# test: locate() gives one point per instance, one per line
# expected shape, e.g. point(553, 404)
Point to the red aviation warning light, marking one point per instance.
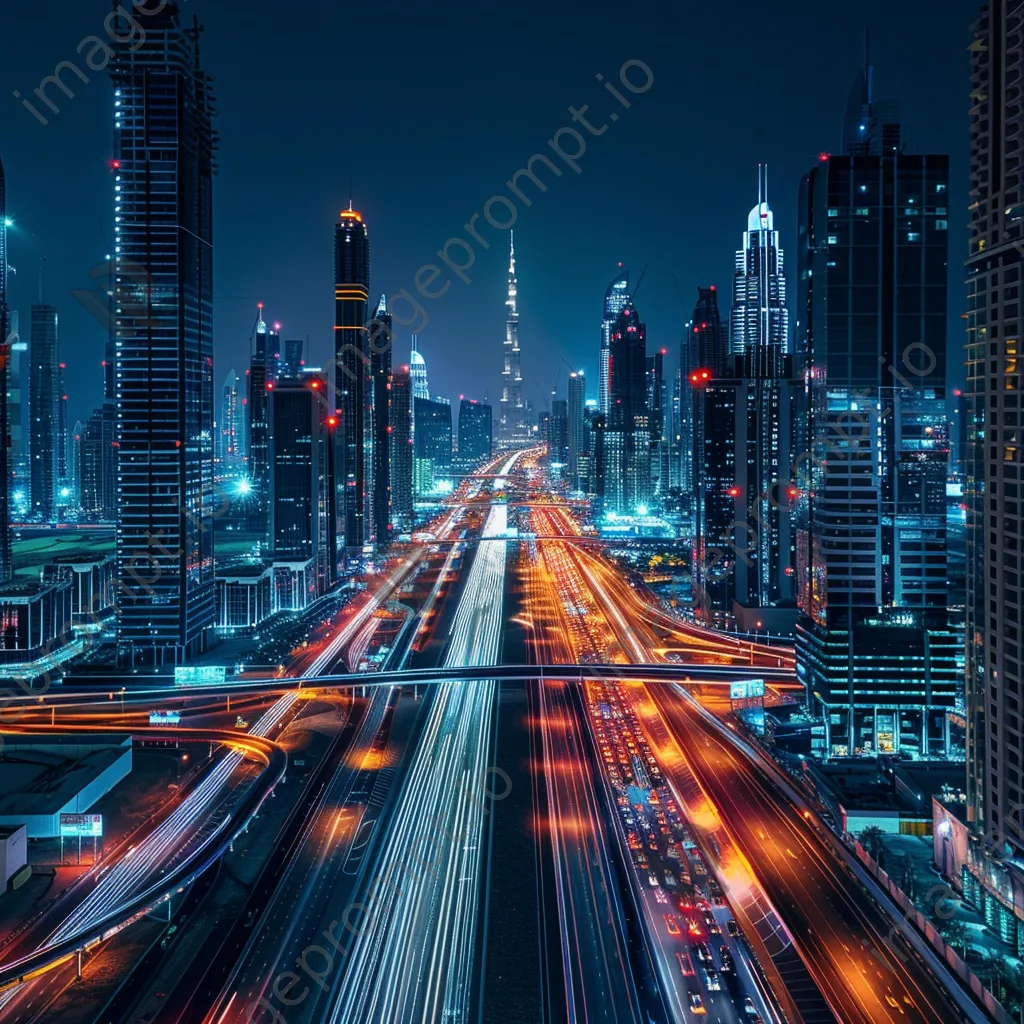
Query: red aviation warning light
point(734, 492)
point(700, 377)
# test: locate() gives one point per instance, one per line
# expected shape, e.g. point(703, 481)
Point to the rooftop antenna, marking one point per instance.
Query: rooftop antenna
point(639, 282)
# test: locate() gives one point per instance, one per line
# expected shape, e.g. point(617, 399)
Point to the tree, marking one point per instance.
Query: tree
point(954, 931)
point(871, 840)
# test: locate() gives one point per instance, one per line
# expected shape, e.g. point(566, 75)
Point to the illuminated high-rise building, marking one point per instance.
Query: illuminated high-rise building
point(993, 877)
point(229, 433)
point(352, 374)
point(379, 443)
point(163, 323)
point(615, 298)
point(44, 410)
point(5, 411)
point(514, 428)
point(628, 437)
point(576, 429)
point(401, 452)
point(418, 371)
point(874, 643)
point(263, 372)
point(475, 433)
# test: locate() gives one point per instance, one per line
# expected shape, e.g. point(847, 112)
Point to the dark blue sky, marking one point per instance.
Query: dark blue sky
point(433, 111)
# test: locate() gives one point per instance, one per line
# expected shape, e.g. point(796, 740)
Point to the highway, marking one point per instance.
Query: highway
point(412, 955)
point(840, 933)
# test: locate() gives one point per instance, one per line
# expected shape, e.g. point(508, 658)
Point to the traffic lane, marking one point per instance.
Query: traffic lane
point(801, 867)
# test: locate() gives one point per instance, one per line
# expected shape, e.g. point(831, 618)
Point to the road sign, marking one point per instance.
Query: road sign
point(747, 689)
point(165, 718)
point(78, 825)
point(201, 675)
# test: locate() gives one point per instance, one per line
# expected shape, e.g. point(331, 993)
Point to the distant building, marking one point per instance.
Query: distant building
point(615, 298)
point(229, 428)
point(418, 371)
point(628, 439)
point(379, 463)
point(263, 374)
point(302, 512)
point(245, 598)
point(475, 433)
point(576, 430)
point(44, 412)
point(401, 452)
point(432, 447)
point(558, 439)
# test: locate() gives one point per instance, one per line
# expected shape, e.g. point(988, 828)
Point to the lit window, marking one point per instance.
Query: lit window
point(832, 239)
point(941, 225)
point(833, 212)
point(913, 236)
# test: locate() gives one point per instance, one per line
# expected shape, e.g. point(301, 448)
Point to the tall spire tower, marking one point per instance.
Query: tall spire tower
point(513, 413)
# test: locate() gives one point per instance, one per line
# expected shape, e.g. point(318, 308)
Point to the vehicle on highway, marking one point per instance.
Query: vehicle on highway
point(713, 927)
point(703, 952)
point(728, 964)
point(748, 1007)
point(732, 927)
point(712, 979)
point(685, 964)
point(696, 1003)
point(672, 925)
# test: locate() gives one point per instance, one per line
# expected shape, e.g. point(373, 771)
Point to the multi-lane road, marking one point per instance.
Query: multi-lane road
point(687, 879)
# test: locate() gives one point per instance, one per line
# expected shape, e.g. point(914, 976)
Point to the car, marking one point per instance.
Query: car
point(713, 926)
point(685, 964)
point(712, 979)
point(748, 1007)
point(732, 927)
point(703, 952)
point(672, 925)
point(661, 896)
point(652, 880)
point(670, 879)
point(728, 964)
point(693, 927)
point(892, 1002)
point(696, 1003)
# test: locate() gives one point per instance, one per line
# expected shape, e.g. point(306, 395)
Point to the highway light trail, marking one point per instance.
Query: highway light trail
point(412, 959)
point(142, 863)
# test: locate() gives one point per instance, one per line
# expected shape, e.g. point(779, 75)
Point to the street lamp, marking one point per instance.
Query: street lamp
point(121, 691)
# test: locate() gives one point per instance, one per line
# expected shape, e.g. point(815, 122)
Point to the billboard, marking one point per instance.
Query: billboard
point(202, 675)
point(165, 718)
point(75, 825)
point(747, 689)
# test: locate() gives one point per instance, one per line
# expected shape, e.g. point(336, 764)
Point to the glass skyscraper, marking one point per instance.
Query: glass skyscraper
point(475, 430)
point(379, 465)
point(628, 438)
point(615, 298)
point(44, 412)
point(163, 324)
point(352, 373)
point(874, 644)
point(401, 443)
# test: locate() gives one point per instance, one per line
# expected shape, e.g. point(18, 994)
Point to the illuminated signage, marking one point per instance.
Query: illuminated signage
point(748, 689)
point(164, 718)
point(204, 675)
point(75, 825)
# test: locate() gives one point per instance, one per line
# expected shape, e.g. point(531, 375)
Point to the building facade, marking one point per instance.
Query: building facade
point(628, 440)
point(475, 433)
point(401, 452)
point(874, 643)
point(615, 298)
point(378, 443)
point(44, 412)
point(352, 374)
point(994, 474)
point(163, 324)
point(432, 444)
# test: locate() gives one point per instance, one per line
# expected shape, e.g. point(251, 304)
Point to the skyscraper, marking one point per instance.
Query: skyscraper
point(401, 452)
point(765, 432)
point(44, 410)
point(475, 441)
point(379, 484)
point(262, 377)
point(874, 645)
point(628, 438)
point(658, 408)
point(615, 298)
point(995, 736)
point(163, 186)
point(558, 438)
point(577, 401)
point(432, 444)
point(352, 373)
point(418, 371)
point(712, 465)
point(291, 360)
point(5, 418)
point(229, 432)
point(513, 425)
point(302, 515)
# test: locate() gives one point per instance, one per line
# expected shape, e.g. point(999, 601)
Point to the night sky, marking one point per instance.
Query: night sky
point(431, 112)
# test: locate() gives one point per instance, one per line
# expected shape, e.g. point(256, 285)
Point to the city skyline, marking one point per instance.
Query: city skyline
point(409, 230)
